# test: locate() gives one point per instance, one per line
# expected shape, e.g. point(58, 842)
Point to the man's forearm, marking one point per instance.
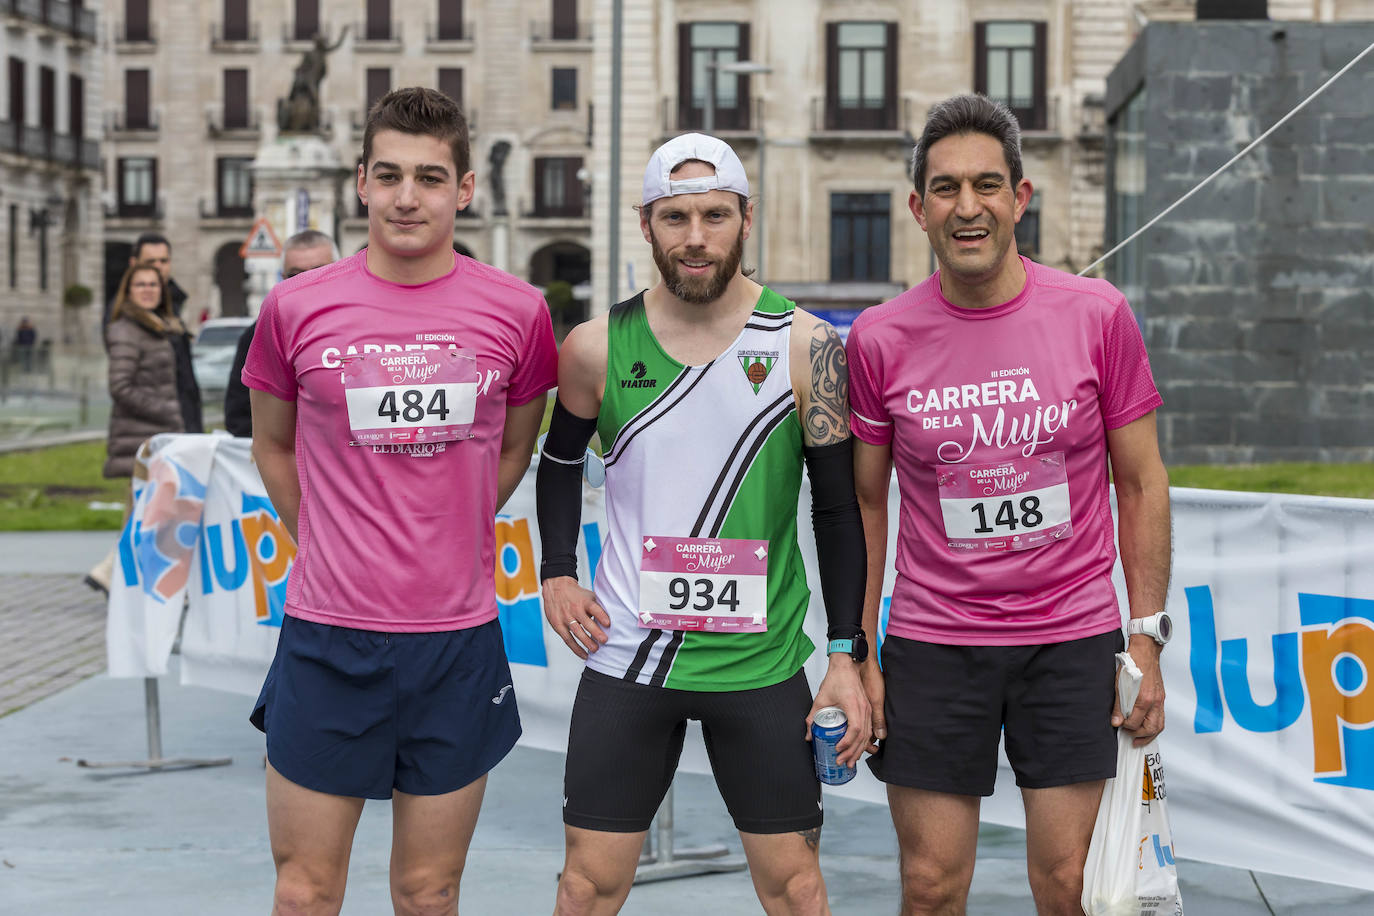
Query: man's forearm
point(277, 467)
point(510, 470)
point(875, 541)
point(1146, 542)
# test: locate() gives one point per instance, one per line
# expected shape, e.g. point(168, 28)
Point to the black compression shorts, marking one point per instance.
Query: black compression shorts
point(625, 740)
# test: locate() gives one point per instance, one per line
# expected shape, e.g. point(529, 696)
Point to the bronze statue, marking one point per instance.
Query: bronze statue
point(299, 112)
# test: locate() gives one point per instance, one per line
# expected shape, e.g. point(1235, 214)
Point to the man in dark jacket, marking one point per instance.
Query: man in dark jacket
point(303, 251)
point(153, 248)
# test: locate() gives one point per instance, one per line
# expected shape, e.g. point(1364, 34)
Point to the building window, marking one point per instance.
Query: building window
point(17, 94)
point(47, 99)
point(378, 26)
point(564, 25)
point(450, 20)
point(1126, 197)
point(236, 20)
point(702, 48)
point(236, 100)
point(860, 244)
point(137, 110)
point(76, 106)
point(861, 76)
point(451, 83)
point(307, 24)
point(234, 186)
point(1009, 66)
point(557, 190)
point(137, 186)
point(378, 84)
point(1028, 229)
point(137, 26)
point(14, 246)
point(564, 89)
point(43, 256)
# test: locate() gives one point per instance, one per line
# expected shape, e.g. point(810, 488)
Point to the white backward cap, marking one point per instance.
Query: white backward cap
point(729, 174)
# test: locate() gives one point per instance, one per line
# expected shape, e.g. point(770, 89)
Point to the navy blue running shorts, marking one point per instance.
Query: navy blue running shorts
point(359, 713)
point(625, 740)
point(947, 706)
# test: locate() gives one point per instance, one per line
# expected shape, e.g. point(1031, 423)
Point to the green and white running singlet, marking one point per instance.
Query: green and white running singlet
point(701, 452)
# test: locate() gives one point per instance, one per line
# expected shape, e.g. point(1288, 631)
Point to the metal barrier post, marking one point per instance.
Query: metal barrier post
point(665, 863)
point(155, 761)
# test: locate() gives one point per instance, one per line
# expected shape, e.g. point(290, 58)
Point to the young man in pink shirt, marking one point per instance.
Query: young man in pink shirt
point(396, 397)
point(1002, 390)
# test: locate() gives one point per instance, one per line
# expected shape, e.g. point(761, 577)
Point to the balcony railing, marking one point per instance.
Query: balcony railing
point(127, 210)
point(48, 145)
point(548, 210)
point(220, 37)
point(741, 120)
point(125, 35)
point(213, 208)
point(839, 119)
point(547, 30)
point(216, 126)
point(63, 15)
point(370, 39)
point(433, 35)
point(119, 122)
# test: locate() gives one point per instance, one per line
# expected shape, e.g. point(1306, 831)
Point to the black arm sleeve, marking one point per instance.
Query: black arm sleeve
point(558, 490)
point(840, 550)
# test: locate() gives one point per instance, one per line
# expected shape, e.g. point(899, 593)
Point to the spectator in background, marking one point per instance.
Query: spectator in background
point(153, 248)
point(25, 340)
point(302, 251)
point(152, 388)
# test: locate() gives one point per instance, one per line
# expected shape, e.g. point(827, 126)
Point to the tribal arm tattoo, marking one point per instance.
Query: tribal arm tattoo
point(827, 413)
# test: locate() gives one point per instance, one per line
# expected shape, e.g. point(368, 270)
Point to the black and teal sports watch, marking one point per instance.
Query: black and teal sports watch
point(856, 647)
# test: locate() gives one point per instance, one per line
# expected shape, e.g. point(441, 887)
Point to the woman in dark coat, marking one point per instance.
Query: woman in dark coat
point(152, 388)
point(151, 384)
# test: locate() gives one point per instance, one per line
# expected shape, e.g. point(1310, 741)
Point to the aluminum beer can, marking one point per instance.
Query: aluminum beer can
point(827, 729)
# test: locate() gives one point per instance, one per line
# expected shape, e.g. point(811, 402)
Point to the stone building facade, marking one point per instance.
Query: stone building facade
point(1256, 295)
point(825, 128)
point(825, 122)
point(193, 90)
point(50, 217)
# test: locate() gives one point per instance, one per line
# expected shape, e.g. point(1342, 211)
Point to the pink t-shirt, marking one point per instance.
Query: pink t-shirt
point(997, 419)
point(398, 536)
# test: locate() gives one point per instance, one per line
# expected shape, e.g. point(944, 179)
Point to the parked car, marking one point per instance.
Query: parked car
point(212, 354)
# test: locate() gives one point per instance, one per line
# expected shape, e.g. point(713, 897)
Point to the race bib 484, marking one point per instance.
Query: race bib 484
point(417, 396)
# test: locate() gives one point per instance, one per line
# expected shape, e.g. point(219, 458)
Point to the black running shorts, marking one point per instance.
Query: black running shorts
point(947, 706)
point(625, 740)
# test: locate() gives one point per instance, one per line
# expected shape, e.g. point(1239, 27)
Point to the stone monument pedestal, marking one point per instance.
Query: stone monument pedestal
point(298, 183)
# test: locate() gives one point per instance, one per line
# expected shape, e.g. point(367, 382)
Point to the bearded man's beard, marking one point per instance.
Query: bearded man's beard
point(698, 290)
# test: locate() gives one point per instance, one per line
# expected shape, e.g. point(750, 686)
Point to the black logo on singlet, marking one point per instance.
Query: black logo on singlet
point(639, 370)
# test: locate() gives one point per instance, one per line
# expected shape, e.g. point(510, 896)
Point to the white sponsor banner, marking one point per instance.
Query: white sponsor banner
point(1269, 747)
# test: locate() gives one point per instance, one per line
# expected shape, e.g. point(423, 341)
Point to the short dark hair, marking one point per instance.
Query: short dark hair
point(968, 114)
point(421, 111)
point(149, 238)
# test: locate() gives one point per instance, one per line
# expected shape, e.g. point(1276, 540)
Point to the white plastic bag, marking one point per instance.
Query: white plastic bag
point(1130, 869)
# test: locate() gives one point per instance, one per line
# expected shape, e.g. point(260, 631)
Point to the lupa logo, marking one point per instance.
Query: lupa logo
point(260, 550)
point(1325, 670)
